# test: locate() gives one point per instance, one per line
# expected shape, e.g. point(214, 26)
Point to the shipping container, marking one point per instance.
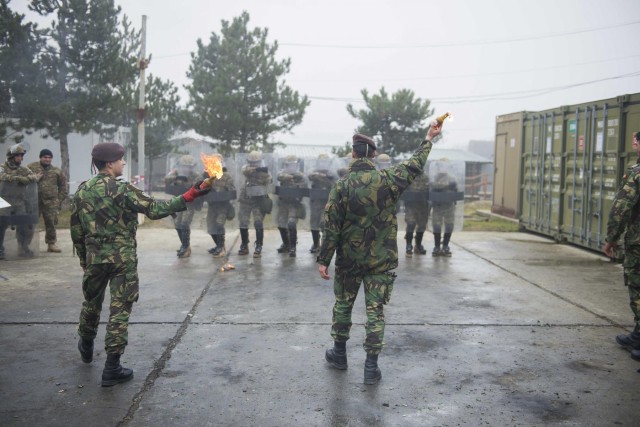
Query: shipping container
point(572, 159)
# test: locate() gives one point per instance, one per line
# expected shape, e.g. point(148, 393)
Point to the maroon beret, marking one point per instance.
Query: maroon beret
point(359, 138)
point(107, 152)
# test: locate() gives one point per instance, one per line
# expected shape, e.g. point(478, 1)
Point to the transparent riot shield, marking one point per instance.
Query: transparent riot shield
point(255, 183)
point(19, 237)
point(342, 165)
point(446, 195)
point(221, 203)
point(414, 208)
point(292, 193)
point(322, 174)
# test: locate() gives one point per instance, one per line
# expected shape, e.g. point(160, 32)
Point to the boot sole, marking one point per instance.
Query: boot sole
point(111, 383)
point(336, 365)
point(626, 346)
point(371, 381)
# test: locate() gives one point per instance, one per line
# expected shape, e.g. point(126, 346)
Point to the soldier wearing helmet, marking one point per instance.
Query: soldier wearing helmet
point(416, 213)
point(292, 188)
point(322, 179)
point(254, 200)
point(183, 176)
point(15, 181)
point(444, 185)
point(220, 210)
point(383, 161)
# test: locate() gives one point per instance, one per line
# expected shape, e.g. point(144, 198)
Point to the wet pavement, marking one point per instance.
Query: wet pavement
point(512, 330)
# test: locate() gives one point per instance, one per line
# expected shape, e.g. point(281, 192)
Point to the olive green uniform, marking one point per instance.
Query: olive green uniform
point(52, 191)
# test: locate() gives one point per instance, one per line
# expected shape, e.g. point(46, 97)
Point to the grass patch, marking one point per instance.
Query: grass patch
point(476, 222)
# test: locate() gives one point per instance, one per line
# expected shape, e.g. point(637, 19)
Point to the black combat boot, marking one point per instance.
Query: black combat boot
point(244, 245)
point(337, 356)
point(315, 235)
point(85, 345)
point(220, 251)
point(293, 241)
point(284, 234)
point(182, 248)
point(2, 231)
point(372, 373)
point(419, 249)
point(114, 373)
point(630, 342)
point(215, 240)
point(445, 244)
point(635, 355)
point(257, 253)
point(186, 244)
point(436, 249)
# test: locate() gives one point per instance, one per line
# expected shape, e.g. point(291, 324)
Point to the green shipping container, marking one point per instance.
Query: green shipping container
point(572, 161)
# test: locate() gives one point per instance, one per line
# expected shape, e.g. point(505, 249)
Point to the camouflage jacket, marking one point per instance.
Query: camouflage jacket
point(53, 184)
point(104, 218)
point(18, 177)
point(322, 179)
point(625, 211)
point(360, 216)
point(420, 184)
point(254, 176)
point(224, 183)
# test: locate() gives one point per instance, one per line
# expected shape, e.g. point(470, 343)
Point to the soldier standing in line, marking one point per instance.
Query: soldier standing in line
point(383, 161)
point(361, 228)
point(322, 179)
point(416, 213)
point(183, 177)
point(290, 206)
point(443, 210)
point(624, 216)
point(14, 179)
point(104, 221)
point(52, 191)
point(253, 197)
point(220, 210)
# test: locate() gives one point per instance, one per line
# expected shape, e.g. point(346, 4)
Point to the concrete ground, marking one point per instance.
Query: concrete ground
point(512, 330)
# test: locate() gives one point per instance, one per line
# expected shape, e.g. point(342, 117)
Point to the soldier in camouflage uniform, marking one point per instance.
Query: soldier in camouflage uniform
point(624, 217)
point(185, 176)
point(17, 177)
point(361, 228)
point(218, 213)
point(52, 191)
point(443, 212)
point(252, 195)
point(290, 207)
point(416, 213)
point(104, 220)
point(322, 179)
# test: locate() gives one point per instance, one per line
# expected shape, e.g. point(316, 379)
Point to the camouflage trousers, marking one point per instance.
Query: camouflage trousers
point(288, 212)
point(183, 219)
point(316, 220)
point(377, 292)
point(632, 280)
point(247, 208)
point(216, 218)
point(443, 213)
point(416, 215)
point(123, 285)
point(49, 211)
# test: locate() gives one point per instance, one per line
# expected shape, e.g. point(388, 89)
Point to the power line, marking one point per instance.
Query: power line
point(496, 96)
point(463, 43)
point(456, 76)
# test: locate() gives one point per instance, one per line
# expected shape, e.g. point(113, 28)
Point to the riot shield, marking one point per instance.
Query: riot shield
point(255, 183)
point(222, 200)
point(292, 192)
point(19, 236)
point(322, 174)
point(415, 205)
point(446, 194)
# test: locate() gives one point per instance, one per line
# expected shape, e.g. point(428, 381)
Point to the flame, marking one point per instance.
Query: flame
point(213, 165)
point(445, 116)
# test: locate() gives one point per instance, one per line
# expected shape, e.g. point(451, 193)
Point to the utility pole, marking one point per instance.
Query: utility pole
point(141, 111)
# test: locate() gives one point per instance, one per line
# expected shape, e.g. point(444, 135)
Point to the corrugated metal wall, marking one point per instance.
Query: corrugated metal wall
point(571, 161)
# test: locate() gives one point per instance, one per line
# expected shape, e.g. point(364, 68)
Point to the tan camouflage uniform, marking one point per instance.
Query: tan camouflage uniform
point(52, 191)
point(14, 180)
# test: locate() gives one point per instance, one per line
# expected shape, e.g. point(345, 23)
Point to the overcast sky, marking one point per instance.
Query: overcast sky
point(475, 58)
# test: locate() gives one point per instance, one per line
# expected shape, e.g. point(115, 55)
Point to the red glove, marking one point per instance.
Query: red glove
point(194, 192)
